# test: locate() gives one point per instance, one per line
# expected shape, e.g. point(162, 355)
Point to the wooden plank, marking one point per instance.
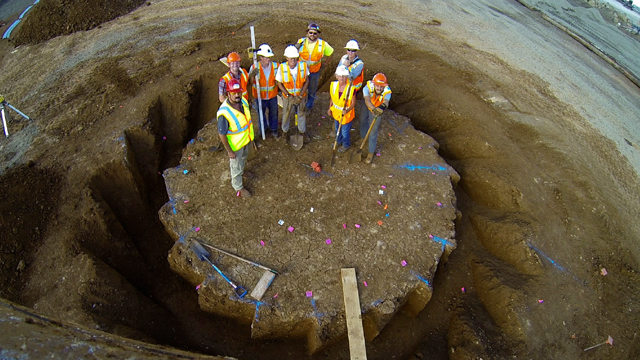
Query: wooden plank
point(262, 285)
point(352, 310)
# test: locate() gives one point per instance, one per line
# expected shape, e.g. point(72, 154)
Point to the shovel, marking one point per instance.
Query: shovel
point(335, 143)
point(203, 255)
point(357, 156)
point(266, 279)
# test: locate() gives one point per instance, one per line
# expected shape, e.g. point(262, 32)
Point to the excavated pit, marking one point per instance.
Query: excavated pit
point(128, 97)
point(392, 221)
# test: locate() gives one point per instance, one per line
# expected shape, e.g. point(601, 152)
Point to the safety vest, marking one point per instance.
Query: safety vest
point(294, 88)
point(359, 80)
point(244, 80)
point(268, 88)
point(316, 54)
point(240, 126)
point(375, 99)
point(340, 102)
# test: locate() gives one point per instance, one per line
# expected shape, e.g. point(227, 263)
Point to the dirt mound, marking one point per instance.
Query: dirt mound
point(50, 18)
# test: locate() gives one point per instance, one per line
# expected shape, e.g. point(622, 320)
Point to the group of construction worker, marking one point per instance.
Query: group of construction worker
point(296, 80)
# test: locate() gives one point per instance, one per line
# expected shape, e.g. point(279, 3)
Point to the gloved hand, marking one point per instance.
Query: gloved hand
point(377, 111)
point(296, 100)
point(253, 72)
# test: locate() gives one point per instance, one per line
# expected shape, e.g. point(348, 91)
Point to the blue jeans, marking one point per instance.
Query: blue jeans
point(312, 88)
point(366, 117)
point(271, 119)
point(343, 137)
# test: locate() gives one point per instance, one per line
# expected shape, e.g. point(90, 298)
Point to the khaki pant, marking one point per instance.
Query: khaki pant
point(287, 109)
point(237, 167)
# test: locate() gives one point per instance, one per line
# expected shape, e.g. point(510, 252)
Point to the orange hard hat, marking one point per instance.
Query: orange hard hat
point(233, 57)
point(380, 79)
point(234, 86)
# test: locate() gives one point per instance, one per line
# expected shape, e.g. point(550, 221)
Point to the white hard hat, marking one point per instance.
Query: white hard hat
point(352, 45)
point(291, 52)
point(265, 50)
point(342, 71)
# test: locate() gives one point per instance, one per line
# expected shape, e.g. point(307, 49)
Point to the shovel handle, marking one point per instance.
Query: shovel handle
point(369, 131)
point(239, 290)
point(238, 257)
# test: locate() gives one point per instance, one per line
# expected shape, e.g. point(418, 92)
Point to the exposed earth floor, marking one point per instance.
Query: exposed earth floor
point(546, 262)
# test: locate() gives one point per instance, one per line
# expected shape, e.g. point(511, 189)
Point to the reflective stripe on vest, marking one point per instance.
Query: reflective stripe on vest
point(313, 61)
point(359, 80)
point(267, 90)
point(338, 103)
point(287, 80)
point(240, 126)
point(375, 99)
point(244, 80)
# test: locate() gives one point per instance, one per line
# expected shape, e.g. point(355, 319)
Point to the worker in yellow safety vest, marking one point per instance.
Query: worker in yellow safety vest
point(341, 106)
point(236, 133)
point(235, 72)
point(266, 72)
point(377, 95)
point(312, 50)
point(292, 79)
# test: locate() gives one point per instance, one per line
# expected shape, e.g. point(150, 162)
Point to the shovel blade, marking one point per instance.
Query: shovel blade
point(356, 156)
point(200, 252)
point(296, 141)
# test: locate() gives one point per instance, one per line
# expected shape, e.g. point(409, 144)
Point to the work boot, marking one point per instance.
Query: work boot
point(275, 134)
point(305, 138)
point(247, 175)
point(343, 149)
point(243, 193)
point(369, 159)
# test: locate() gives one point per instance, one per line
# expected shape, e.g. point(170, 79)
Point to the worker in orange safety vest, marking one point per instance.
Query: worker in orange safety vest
point(292, 79)
point(377, 95)
point(235, 72)
point(312, 50)
point(266, 72)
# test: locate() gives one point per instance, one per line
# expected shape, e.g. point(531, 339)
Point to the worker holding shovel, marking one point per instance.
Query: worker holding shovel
point(236, 132)
point(377, 95)
point(341, 106)
point(292, 79)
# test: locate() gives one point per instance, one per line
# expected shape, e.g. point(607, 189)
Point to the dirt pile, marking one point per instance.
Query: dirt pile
point(52, 18)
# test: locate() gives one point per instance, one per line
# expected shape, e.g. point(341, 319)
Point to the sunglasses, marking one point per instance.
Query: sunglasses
point(349, 50)
point(313, 33)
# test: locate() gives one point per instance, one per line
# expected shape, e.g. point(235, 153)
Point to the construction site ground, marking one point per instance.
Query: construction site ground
point(542, 131)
